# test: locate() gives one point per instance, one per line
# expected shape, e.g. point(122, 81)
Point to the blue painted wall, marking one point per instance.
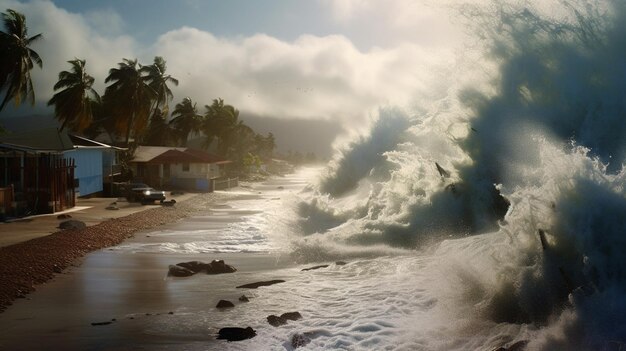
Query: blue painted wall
point(88, 169)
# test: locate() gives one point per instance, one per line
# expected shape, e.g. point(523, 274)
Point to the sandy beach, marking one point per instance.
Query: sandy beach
point(128, 284)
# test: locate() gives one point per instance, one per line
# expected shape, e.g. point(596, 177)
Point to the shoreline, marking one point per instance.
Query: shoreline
point(26, 265)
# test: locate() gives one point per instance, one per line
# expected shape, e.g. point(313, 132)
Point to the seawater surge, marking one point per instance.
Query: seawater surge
point(511, 188)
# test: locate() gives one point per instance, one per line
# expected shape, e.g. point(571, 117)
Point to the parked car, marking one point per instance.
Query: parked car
point(140, 192)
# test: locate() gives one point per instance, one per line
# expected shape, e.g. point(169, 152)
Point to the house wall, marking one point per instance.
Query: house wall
point(196, 177)
point(88, 169)
point(195, 170)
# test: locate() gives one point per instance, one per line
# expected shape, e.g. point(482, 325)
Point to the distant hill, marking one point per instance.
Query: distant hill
point(302, 136)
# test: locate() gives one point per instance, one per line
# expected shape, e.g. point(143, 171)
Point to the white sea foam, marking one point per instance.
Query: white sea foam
point(437, 259)
point(440, 260)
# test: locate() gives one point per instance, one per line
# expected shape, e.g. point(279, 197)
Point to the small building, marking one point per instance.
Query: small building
point(96, 164)
point(47, 168)
point(177, 167)
point(35, 177)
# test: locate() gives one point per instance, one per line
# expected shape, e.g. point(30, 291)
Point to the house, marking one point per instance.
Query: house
point(177, 167)
point(96, 164)
point(34, 175)
point(47, 168)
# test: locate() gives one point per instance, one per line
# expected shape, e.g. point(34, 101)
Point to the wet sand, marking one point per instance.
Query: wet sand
point(147, 309)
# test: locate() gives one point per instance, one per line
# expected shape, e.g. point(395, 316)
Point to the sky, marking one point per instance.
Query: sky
point(279, 61)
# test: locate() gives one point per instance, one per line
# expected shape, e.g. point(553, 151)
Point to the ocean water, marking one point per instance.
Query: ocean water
point(494, 216)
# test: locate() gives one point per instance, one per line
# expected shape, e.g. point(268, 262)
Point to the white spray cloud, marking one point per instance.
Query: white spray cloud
point(427, 22)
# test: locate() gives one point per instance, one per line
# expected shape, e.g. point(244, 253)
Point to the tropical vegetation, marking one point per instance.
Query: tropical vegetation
point(134, 108)
point(73, 105)
point(17, 59)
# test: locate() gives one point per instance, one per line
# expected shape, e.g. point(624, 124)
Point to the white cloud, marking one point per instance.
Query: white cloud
point(105, 21)
point(309, 78)
point(425, 22)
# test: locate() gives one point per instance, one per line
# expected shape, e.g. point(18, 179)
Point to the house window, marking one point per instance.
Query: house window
point(185, 167)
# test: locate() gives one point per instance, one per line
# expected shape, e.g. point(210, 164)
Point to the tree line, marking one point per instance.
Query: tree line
point(134, 108)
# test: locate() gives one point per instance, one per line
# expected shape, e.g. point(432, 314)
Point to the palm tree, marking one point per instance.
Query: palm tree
point(264, 146)
point(185, 119)
point(221, 121)
point(158, 80)
point(129, 98)
point(160, 133)
point(73, 105)
point(17, 59)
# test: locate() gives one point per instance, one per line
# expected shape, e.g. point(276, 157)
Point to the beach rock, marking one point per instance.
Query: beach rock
point(236, 334)
point(219, 267)
point(258, 284)
point(101, 323)
point(72, 224)
point(215, 267)
point(277, 321)
point(298, 340)
point(243, 298)
point(194, 266)
point(341, 263)
point(224, 304)
point(178, 271)
point(63, 216)
point(315, 267)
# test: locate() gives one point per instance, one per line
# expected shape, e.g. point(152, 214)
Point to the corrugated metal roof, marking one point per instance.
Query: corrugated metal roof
point(169, 155)
point(84, 142)
point(147, 153)
point(41, 140)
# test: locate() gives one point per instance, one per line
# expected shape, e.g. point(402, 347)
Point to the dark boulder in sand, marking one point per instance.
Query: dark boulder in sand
point(219, 267)
point(341, 263)
point(194, 266)
point(236, 334)
point(215, 267)
point(224, 304)
point(101, 323)
point(244, 298)
point(72, 224)
point(299, 340)
point(258, 284)
point(179, 271)
point(169, 203)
